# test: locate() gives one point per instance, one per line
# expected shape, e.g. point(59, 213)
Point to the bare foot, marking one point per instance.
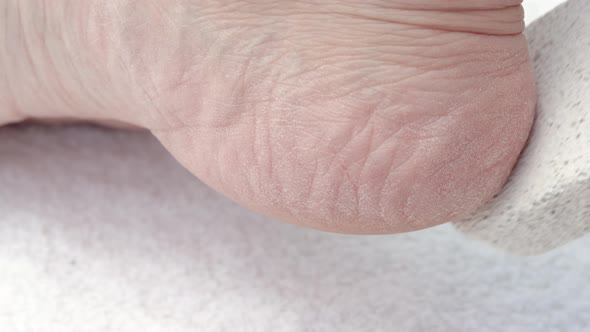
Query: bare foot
point(358, 117)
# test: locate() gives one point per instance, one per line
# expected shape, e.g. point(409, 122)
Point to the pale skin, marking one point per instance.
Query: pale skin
point(364, 117)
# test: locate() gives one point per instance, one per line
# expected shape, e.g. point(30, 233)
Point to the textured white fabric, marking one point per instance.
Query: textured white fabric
point(546, 202)
point(102, 231)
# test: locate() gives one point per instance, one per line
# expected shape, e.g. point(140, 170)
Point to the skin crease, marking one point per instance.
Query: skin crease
point(367, 118)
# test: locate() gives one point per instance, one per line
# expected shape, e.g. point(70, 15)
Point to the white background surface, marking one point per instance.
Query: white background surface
point(536, 8)
point(93, 240)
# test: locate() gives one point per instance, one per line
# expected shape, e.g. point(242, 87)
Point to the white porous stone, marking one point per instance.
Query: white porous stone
point(546, 203)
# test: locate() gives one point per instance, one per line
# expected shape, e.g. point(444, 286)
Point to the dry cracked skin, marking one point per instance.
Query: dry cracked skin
point(362, 117)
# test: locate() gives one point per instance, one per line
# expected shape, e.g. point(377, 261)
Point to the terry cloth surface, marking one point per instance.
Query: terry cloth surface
point(100, 230)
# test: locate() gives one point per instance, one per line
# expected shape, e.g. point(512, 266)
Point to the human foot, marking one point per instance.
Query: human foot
point(357, 117)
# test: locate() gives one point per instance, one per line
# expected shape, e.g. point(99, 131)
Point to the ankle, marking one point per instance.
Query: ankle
point(49, 68)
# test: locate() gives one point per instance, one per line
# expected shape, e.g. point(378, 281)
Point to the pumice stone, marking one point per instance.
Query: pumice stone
point(546, 202)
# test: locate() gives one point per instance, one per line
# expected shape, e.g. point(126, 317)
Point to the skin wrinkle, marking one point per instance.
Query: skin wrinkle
point(391, 167)
point(449, 5)
point(24, 39)
point(457, 22)
point(85, 88)
point(364, 160)
point(343, 193)
point(393, 171)
point(374, 150)
point(264, 155)
point(7, 93)
point(368, 130)
point(339, 181)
